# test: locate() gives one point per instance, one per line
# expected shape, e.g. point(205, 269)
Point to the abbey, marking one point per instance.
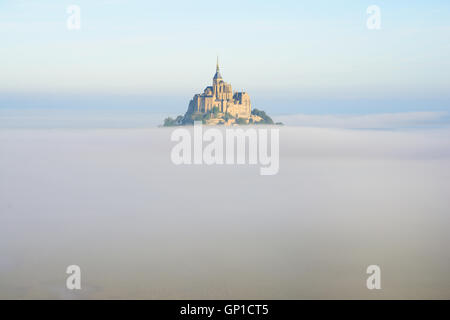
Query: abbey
point(220, 98)
point(219, 105)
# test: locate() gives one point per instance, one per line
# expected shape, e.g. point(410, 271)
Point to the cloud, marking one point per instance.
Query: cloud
point(368, 121)
point(141, 227)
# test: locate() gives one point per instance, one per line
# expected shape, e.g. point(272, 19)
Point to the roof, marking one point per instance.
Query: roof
point(217, 75)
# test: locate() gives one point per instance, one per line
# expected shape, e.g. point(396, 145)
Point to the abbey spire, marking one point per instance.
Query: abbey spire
point(217, 76)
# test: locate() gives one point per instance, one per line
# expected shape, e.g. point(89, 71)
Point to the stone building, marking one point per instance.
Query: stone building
point(221, 95)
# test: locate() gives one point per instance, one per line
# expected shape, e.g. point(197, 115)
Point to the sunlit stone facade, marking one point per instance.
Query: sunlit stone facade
point(221, 95)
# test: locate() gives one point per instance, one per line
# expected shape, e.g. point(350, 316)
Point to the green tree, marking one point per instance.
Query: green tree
point(179, 120)
point(241, 121)
point(169, 122)
point(215, 110)
point(263, 115)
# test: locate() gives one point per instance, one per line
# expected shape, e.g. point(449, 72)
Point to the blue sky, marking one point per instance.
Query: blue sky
point(291, 56)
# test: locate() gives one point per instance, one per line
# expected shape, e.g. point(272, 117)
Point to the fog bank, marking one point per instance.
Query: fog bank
point(112, 202)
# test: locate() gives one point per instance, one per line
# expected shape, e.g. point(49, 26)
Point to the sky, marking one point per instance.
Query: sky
point(308, 57)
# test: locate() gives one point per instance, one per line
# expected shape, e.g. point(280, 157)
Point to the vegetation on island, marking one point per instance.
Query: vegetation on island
point(170, 122)
point(265, 118)
point(220, 118)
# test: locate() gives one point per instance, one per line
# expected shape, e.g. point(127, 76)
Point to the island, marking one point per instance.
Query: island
point(219, 105)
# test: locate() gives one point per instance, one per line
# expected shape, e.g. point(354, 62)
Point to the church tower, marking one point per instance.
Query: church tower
point(217, 76)
point(221, 96)
point(221, 90)
point(216, 81)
